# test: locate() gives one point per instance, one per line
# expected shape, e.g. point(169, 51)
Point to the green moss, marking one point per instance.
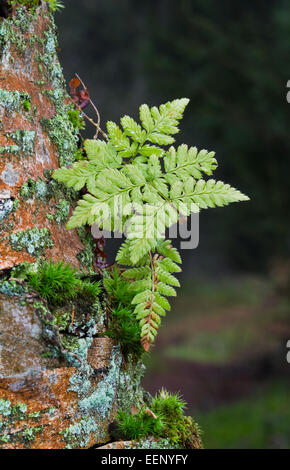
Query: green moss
point(32, 4)
point(33, 240)
point(76, 119)
point(139, 425)
point(166, 420)
point(59, 282)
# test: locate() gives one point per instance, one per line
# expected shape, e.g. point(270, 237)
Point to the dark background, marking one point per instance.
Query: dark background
point(224, 344)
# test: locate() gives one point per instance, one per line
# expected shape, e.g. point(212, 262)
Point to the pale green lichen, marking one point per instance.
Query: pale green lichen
point(6, 207)
point(102, 399)
point(12, 288)
point(34, 240)
point(5, 407)
point(130, 392)
point(78, 434)
point(63, 135)
point(62, 211)
point(29, 434)
point(25, 140)
point(14, 100)
point(9, 150)
point(86, 256)
point(154, 444)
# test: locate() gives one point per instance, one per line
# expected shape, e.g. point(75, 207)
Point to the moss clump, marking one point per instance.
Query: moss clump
point(123, 325)
point(76, 119)
point(58, 283)
point(165, 419)
point(140, 425)
point(34, 240)
point(124, 328)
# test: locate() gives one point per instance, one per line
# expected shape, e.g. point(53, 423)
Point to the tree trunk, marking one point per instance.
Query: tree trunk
point(49, 397)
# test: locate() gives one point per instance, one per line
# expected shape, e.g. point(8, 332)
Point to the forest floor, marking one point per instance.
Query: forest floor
point(223, 347)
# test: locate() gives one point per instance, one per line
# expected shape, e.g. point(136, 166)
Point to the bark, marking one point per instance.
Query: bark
point(50, 396)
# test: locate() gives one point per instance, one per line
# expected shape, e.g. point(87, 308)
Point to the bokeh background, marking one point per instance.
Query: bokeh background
point(223, 345)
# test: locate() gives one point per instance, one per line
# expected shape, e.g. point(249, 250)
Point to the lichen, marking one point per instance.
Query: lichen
point(154, 444)
point(25, 140)
point(130, 392)
point(78, 434)
point(86, 256)
point(101, 400)
point(33, 240)
point(13, 422)
point(6, 207)
point(8, 150)
point(62, 133)
point(12, 288)
point(13, 100)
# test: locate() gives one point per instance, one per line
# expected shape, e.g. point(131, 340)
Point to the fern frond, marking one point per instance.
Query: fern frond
point(161, 123)
point(101, 155)
point(153, 282)
point(119, 140)
point(185, 162)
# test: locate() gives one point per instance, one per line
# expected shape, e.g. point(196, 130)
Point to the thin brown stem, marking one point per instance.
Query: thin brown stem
point(98, 125)
point(90, 120)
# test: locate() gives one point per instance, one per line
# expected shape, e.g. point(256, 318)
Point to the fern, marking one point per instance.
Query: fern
point(136, 184)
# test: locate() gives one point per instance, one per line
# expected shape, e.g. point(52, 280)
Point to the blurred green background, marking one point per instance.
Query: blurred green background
point(223, 345)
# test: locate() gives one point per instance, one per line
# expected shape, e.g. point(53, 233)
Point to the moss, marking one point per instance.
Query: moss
point(166, 420)
point(34, 240)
